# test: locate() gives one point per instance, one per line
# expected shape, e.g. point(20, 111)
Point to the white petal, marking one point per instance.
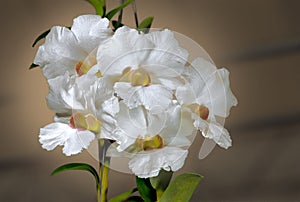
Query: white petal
point(127, 48)
point(178, 127)
point(51, 70)
point(77, 141)
point(128, 93)
point(59, 50)
point(201, 68)
point(219, 134)
point(111, 106)
point(65, 95)
point(180, 131)
point(217, 94)
point(161, 65)
point(53, 135)
point(150, 96)
point(132, 122)
point(167, 49)
point(90, 31)
point(106, 131)
point(108, 126)
point(148, 164)
point(172, 122)
point(103, 93)
point(230, 99)
point(155, 96)
point(172, 83)
point(185, 94)
point(59, 134)
point(123, 139)
point(187, 127)
point(199, 123)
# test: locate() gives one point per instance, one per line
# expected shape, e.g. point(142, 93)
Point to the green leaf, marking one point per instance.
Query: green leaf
point(40, 37)
point(161, 181)
point(77, 166)
point(113, 12)
point(145, 189)
point(182, 188)
point(99, 6)
point(123, 197)
point(33, 66)
point(145, 24)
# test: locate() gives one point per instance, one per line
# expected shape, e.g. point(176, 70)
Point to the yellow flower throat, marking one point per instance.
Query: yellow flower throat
point(85, 122)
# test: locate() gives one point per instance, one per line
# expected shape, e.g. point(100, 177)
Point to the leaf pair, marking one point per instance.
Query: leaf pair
point(100, 7)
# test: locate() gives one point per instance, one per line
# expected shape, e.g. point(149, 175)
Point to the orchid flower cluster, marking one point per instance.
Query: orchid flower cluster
point(133, 88)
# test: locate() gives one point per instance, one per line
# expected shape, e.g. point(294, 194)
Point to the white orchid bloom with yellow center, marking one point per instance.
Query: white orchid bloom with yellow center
point(85, 108)
point(207, 95)
point(146, 67)
point(73, 50)
point(152, 139)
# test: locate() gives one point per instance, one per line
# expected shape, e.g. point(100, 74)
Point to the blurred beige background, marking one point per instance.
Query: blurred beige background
point(258, 41)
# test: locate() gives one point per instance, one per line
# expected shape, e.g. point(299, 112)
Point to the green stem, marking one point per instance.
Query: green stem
point(103, 170)
point(135, 14)
point(159, 193)
point(121, 12)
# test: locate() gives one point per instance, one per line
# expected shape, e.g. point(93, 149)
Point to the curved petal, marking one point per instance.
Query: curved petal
point(111, 106)
point(181, 131)
point(127, 48)
point(123, 139)
point(157, 118)
point(104, 95)
point(61, 46)
point(54, 98)
point(155, 96)
point(64, 47)
point(219, 134)
point(59, 134)
point(128, 93)
point(132, 121)
point(172, 83)
point(185, 95)
point(50, 70)
point(217, 94)
point(197, 74)
point(77, 141)
point(148, 164)
point(167, 49)
point(150, 96)
point(53, 135)
point(172, 122)
point(70, 93)
point(91, 30)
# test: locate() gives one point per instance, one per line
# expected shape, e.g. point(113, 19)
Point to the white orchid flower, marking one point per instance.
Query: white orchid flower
point(153, 139)
point(85, 107)
point(207, 95)
point(74, 49)
point(147, 66)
